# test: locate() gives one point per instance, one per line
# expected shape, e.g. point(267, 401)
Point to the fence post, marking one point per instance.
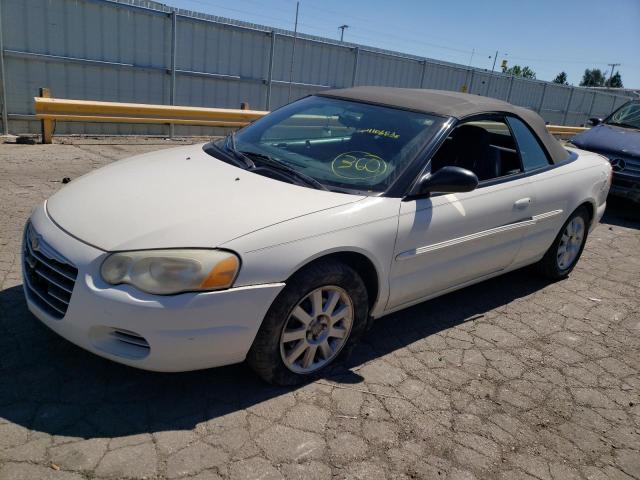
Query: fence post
point(3, 84)
point(354, 78)
point(489, 84)
point(510, 89)
point(424, 71)
point(544, 92)
point(47, 125)
point(174, 40)
point(567, 106)
point(593, 101)
point(272, 53)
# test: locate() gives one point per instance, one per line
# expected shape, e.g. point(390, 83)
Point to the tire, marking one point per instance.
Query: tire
point(551, 265)
point(282, 322)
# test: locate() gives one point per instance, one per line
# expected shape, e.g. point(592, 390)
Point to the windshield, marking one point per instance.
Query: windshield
point(626, 116)
point(341, 144)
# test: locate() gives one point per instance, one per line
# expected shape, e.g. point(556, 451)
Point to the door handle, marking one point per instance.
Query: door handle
point(522, 203)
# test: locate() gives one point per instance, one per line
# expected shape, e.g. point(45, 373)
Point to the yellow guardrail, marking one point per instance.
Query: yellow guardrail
point(562, 130)
point(50, 110)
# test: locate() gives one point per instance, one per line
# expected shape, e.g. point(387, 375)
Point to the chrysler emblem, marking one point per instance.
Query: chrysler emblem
point(618, 164)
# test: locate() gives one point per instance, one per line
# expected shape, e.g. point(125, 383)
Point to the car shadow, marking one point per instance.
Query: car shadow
point(49, 385)
point(622, 212)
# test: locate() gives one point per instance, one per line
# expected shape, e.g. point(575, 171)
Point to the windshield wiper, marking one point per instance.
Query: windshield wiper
point(620, 124)
point(239, 158)
point(278, 165)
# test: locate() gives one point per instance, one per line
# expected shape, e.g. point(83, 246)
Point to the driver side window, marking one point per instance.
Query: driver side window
point(484, 146)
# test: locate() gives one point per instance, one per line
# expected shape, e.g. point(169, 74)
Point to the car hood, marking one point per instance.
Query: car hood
point(180, 197)
point(609, 138)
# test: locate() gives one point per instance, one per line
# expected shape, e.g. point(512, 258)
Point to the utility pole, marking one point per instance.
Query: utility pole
point(612, 65)
point(293, 50)
point(342, 27)
point(494, 61)
point(473, 51)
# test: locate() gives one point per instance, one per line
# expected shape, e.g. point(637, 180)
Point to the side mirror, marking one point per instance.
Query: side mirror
point(595, 121)
point(447, 180)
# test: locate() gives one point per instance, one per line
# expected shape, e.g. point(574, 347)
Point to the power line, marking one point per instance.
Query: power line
point(375, 34)
point(371, 21)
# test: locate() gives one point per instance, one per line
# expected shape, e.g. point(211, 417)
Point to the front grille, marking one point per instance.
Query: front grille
point(632, 167)
point(625, 165)
point(48, 276)
point(623, 183)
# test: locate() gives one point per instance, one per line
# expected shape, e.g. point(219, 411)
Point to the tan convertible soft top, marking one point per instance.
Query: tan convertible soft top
point(450, 104)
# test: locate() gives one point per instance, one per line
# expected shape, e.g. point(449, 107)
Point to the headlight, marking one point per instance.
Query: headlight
point(164, 272)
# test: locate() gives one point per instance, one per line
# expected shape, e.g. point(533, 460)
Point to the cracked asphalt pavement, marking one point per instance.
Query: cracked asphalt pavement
point(514, 378)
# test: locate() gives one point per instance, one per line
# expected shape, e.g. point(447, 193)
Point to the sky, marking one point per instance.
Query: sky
point(549, 36)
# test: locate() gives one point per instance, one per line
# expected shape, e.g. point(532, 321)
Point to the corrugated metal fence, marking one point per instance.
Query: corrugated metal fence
point(142, 51)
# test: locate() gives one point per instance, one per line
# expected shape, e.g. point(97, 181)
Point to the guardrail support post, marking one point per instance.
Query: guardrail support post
point(354, 78)
point(174, 40)
point(566, 108)
point(272, 53)
point(3, 84)
point(47, 125)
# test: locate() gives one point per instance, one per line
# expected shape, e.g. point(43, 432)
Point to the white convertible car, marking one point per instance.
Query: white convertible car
point(279, 244)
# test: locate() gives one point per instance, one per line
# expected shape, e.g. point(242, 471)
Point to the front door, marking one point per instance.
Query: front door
point(449, 240)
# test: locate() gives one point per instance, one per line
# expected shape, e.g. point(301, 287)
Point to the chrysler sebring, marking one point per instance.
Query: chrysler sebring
point(281, 243)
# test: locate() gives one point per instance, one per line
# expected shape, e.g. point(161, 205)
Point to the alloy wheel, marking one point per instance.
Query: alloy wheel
point(317, 329)
point(570, 243)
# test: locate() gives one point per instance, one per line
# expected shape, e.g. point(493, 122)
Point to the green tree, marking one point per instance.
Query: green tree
point(518, 71)
point(528, 73)
point(615, 81)
point(593, 78)
point(561, 78)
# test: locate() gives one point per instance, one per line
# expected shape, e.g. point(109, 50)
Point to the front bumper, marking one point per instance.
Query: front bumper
point(173, 333)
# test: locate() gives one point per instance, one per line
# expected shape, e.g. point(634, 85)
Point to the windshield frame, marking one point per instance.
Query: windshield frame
point(610, 116)
point(406, 175)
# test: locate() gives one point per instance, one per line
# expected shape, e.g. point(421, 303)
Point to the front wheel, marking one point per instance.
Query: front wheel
point(321, 312)
point(566, 249)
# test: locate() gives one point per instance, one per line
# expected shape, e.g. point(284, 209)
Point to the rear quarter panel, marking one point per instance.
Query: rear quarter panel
point(566, 187)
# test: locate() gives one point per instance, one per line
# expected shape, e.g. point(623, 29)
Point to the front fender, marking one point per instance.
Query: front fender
point(368, 228)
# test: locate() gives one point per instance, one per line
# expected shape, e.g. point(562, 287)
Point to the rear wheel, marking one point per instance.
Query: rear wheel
point(564, 253)
point(320, 314)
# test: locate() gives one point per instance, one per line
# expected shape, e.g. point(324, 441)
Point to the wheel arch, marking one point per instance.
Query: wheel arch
point(590, 205)
point(358, 261)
